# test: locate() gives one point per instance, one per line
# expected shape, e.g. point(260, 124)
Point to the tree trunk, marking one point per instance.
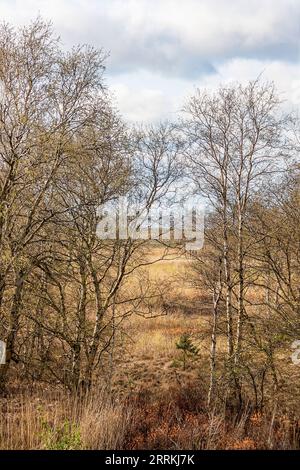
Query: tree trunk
point(13, 327)
point(212, 382)
point(240, 313)
point(77, 346)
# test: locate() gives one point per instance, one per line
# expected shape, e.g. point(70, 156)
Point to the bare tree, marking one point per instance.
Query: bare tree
point(236, 141)
point(48, 97)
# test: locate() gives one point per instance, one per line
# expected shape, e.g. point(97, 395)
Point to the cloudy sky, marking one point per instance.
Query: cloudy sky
point(161, 50)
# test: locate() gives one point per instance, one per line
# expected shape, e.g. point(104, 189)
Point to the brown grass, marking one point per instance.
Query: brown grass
point(177, 420)
point(154, 403)
point(60, 422)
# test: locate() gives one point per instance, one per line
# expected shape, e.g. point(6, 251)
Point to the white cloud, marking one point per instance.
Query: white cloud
point(150, 97)
point(145, 104)
point(171, 36)
point(286, 76)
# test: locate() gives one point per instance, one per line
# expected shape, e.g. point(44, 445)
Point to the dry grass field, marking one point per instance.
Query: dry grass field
point(153, 399)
